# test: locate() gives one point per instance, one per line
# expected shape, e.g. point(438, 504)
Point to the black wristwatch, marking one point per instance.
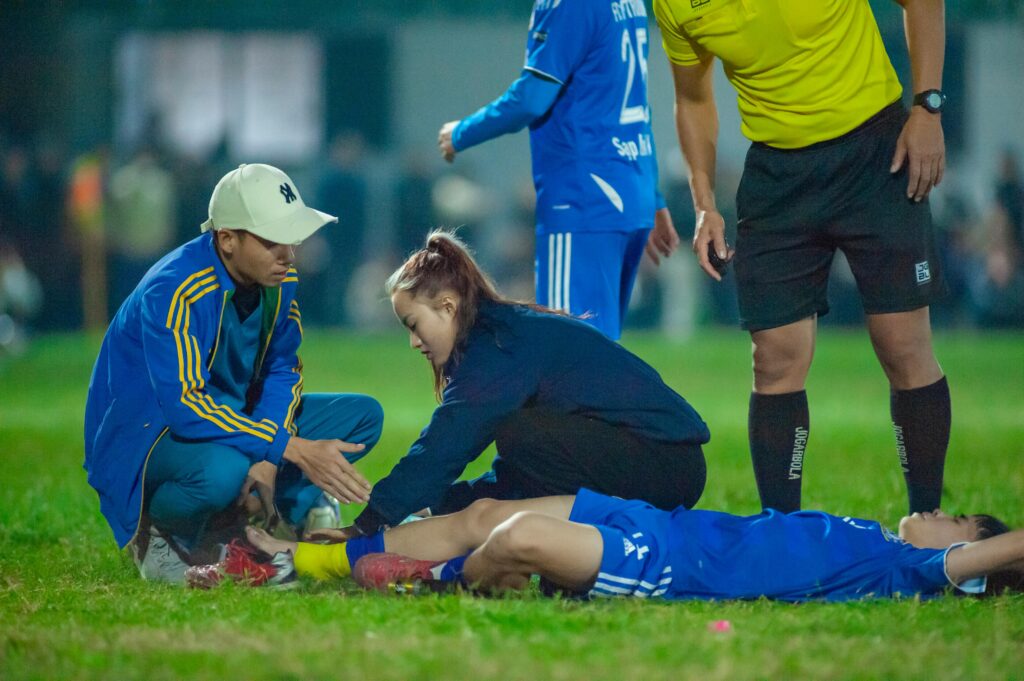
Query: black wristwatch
point(931, 100)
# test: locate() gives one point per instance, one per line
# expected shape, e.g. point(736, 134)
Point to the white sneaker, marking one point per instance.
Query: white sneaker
point(158, 558)
point(325, 515)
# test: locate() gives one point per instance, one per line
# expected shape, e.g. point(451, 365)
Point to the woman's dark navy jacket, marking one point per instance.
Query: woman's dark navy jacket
point(515, 358)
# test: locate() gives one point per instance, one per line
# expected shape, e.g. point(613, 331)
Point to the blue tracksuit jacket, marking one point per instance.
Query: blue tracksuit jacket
point(151, 373)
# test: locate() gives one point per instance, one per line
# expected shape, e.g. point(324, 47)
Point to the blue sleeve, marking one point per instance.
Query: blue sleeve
point(282, 374)
point(526, 100)
point(489, 384)
point(920, 571)
point(174, 350)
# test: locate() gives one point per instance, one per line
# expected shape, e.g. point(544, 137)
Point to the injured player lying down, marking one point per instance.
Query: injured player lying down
point(605, 546)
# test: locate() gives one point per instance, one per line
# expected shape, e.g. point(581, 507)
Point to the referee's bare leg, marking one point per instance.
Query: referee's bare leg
point(782, 356)
point(903, 344)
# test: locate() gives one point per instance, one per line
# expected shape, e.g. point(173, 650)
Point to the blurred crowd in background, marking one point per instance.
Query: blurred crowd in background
point(119, 116)
point(77, 234)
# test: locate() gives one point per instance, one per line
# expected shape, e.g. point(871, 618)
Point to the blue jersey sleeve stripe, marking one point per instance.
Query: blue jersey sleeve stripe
point(296, 397)
point(298, 323)
point(174, 298)
point(190, 357)
point(224, 411)
point(544, 75)
point(196, 392)
point(295, 315)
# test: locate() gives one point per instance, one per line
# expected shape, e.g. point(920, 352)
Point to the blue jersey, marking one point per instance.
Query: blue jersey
point(795, 557)
point(808, 555)
point(594, 164)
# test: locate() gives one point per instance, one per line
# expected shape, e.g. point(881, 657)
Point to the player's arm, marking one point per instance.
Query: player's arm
point(323, 461)
point(526, 100)
point(697, 127)
point(980, 558)
point(921, 145)
point(488, 385)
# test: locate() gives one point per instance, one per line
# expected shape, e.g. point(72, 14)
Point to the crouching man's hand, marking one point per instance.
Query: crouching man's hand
point(257, 493)
point(324, 463)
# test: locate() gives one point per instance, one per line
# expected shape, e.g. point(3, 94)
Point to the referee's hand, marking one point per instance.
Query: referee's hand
point(922, 148)
point(710, 229)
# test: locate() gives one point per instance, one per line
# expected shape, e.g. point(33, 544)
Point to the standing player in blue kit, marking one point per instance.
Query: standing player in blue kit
point(583, 93)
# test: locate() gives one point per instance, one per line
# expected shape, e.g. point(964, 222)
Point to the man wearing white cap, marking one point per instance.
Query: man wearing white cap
point(196, 397)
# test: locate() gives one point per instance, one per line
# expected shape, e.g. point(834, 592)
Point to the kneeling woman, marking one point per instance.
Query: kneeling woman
point(566, 407)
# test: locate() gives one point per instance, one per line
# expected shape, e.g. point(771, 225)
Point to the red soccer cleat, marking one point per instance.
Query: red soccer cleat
point(384, 571)
point(240, 565)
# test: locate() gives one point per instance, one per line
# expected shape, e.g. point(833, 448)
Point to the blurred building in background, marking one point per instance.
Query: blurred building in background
point(119, 116)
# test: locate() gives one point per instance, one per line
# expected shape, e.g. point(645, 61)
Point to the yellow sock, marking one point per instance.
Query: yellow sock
point(322, 561)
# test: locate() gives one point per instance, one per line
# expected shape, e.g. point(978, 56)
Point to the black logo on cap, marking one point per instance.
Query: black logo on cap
point(288, 193)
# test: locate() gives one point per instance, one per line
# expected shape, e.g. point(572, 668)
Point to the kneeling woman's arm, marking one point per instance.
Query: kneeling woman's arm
point(488, 385)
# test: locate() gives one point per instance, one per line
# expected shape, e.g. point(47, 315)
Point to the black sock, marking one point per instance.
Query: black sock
point(777, 427)
point(920, 419)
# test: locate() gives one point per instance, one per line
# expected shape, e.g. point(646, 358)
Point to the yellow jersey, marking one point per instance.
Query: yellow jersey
point(805, 70)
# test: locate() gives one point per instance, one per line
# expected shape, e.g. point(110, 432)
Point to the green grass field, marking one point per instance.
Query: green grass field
point(72, 607)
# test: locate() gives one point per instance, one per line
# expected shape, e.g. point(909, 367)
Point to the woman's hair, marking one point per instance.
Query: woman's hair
point(446, 264)
point(1003, 580)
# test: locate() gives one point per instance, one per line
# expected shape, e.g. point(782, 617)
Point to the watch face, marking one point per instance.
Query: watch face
point(933, 100)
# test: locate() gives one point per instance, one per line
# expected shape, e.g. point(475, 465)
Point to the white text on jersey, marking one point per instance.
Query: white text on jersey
point(627, 9)
point(633, 150)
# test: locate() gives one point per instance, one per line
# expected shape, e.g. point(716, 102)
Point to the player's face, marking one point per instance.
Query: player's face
point(431, 323)
point(936, 530)
point(250, 259)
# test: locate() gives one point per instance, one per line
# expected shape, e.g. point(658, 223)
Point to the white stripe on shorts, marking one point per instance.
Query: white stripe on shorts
point(559, 240)
point(568, 265)
point(609, 584)
point(550, 302)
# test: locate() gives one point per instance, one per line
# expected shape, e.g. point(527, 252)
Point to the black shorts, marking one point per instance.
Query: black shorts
point(796, 206)
point(543, 453)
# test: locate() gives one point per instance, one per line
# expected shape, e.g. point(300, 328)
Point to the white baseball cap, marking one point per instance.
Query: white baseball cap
point(263, 200)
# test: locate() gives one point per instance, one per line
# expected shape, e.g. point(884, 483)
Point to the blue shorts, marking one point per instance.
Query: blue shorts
point(635, 560)
point(589, 273)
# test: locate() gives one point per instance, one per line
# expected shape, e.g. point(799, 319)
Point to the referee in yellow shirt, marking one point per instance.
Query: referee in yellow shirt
point(836, 162)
